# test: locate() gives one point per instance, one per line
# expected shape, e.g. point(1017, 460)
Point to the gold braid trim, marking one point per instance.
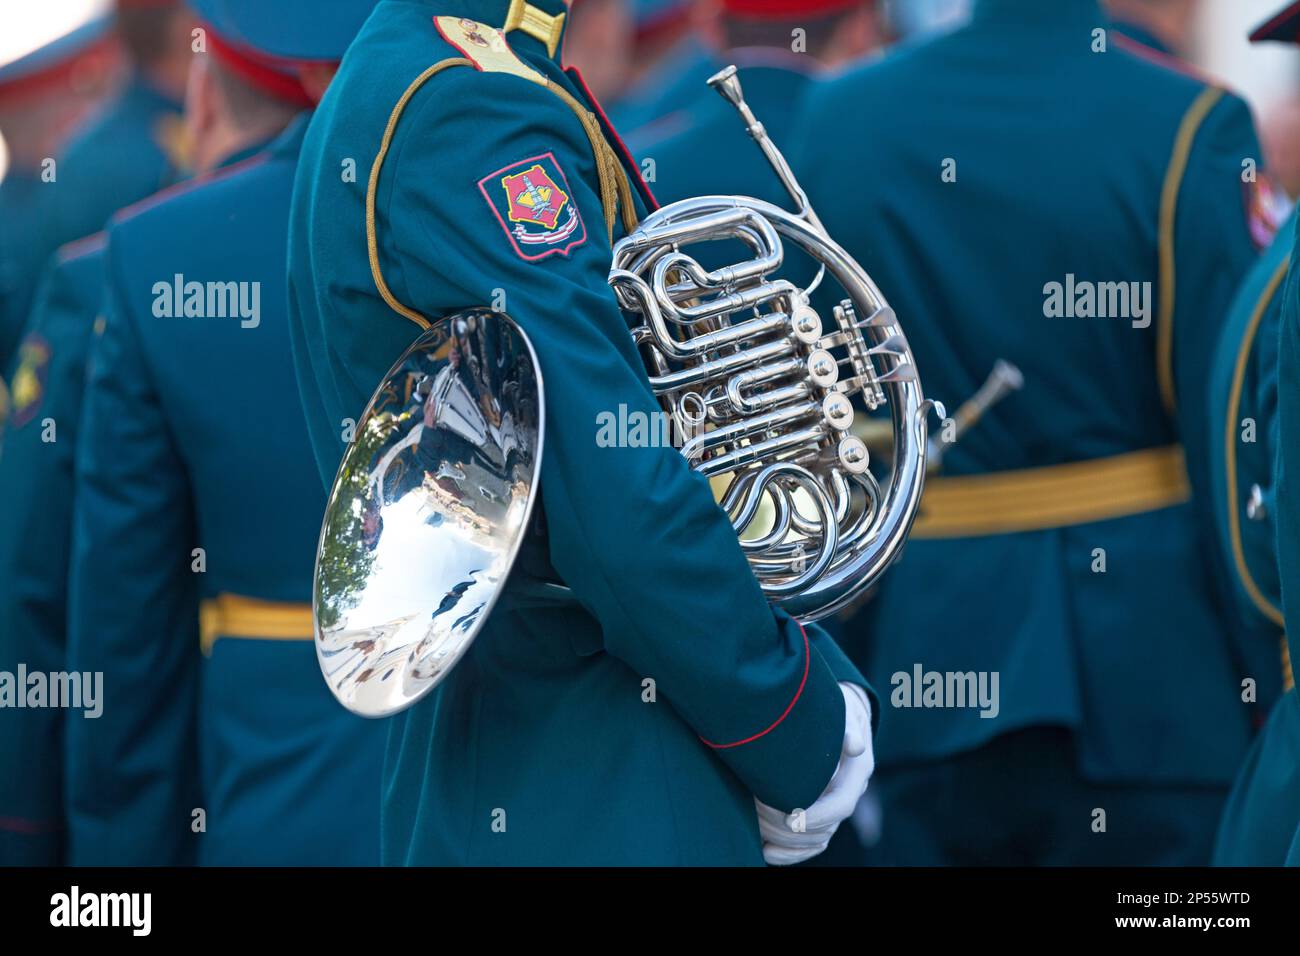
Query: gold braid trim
point(372, 237)
point(1262, 603)
point(233, 615)
point(1177, 168)
point(615, 190)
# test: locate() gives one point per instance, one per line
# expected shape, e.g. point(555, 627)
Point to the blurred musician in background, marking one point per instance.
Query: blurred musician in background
point(43, 96)
point(1066, 548)
point(197, 505)
point(780, 46)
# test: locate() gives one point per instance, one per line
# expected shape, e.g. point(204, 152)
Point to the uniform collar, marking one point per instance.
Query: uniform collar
point(525, 21)
point(248, 152)
point(1038, 11)
point(288, 145)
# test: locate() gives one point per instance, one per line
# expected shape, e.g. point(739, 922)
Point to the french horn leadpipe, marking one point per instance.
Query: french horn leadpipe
point(434, 499)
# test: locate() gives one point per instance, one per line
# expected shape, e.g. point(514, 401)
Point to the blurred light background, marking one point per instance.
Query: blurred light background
point(27, 26)
point(1268, 75)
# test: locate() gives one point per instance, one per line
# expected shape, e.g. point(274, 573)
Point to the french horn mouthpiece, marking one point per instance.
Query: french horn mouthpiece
point(727, 83)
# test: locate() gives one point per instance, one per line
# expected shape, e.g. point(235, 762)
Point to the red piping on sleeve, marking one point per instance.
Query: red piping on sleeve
point(29, 827)
point(807, 658)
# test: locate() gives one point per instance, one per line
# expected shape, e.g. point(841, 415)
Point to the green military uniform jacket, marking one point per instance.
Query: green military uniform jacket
point(1263, 810)
point(24, 224)
point(637, 725)
point(127, 151)
point(660, 104)
point(706, 151)
point(1062, 546)
point(37, 445)
point(197, 509)
point(1287, 496)
point(131, 148)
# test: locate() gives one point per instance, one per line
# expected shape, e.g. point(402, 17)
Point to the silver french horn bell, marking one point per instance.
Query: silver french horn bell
point(434, 497)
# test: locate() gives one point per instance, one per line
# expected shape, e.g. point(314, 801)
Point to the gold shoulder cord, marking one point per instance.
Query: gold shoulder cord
point(372, 238)
point(1262, 603)
point(1187, 131)
point(495, 57)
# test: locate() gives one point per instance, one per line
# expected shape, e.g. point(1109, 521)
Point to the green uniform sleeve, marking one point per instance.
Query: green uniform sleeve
point(633, 531)
point(1287, 451)
point(36, 460)
point(1212, 251)
point(133, 616)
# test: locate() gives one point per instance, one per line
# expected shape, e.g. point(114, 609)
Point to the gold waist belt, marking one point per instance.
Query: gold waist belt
point(232, 615)
point(1057, 496)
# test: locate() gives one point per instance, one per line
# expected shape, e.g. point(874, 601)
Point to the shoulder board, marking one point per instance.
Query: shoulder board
point(1160, 58)
point(485, 47)
point(80, 248)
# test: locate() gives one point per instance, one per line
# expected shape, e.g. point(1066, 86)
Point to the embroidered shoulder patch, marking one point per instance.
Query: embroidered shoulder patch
point(533, 203)
point(28, 384)
point(4, 411)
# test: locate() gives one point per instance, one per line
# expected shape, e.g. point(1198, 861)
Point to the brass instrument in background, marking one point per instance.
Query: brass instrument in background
point(434, 497)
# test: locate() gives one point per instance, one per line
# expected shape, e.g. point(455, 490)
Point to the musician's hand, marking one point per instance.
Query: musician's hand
point(801, 835)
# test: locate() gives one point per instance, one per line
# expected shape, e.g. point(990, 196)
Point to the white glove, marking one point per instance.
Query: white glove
point(782, 843)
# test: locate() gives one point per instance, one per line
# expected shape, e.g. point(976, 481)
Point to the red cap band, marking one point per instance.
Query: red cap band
point(760, 9)
point(666, 25)
point(258, 71)
point(62, 77)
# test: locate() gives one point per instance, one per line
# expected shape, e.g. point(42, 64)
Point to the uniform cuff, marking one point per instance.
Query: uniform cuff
point(844, 669)
point(788, 764)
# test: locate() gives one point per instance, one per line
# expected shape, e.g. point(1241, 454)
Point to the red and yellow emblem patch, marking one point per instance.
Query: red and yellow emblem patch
point(27, 387)
point(4, 410)
point(533, 203)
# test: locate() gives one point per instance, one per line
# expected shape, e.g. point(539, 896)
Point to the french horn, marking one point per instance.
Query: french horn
point(434, 497)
